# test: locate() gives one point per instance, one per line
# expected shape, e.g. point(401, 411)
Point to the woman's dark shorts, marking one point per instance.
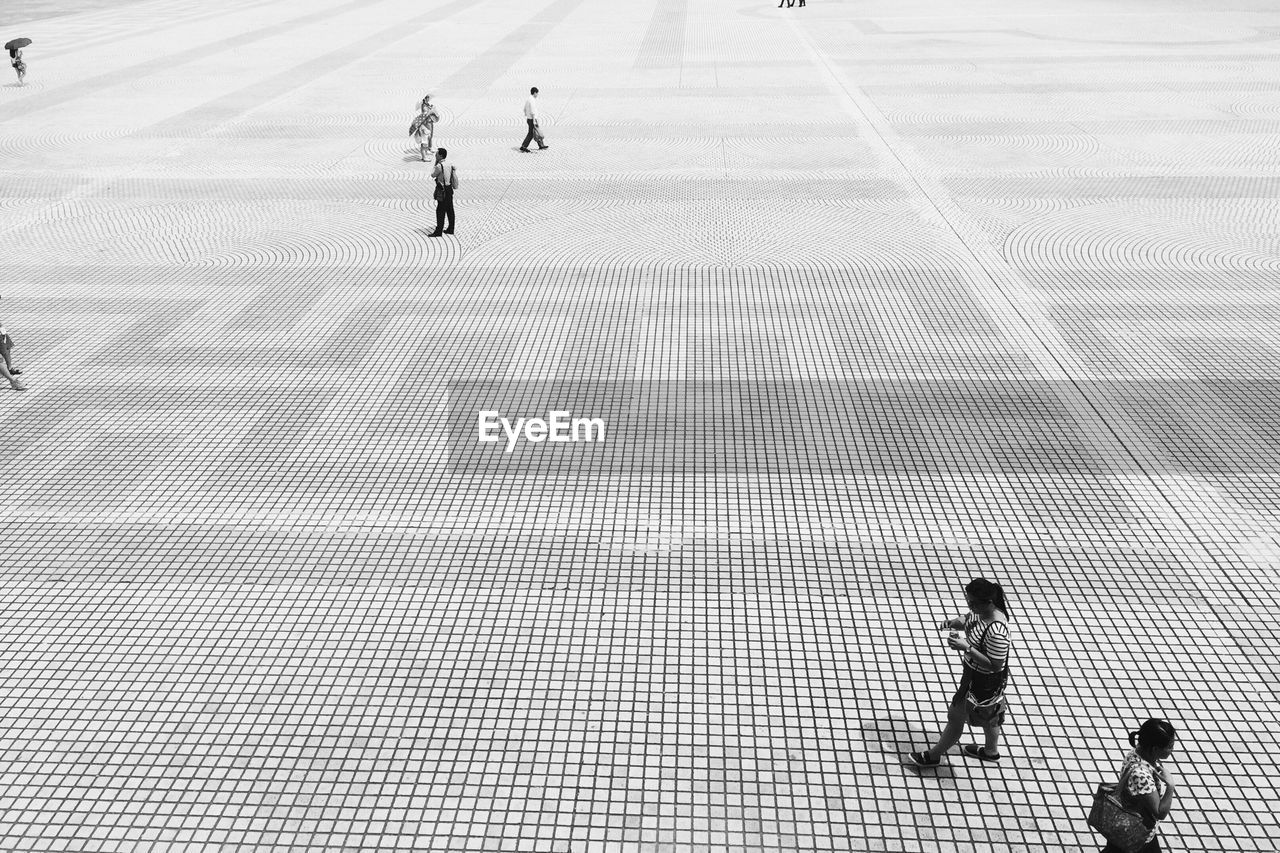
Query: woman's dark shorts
point(984, 686)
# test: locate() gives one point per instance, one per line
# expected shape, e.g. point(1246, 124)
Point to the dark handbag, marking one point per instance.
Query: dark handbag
point(991, 708)
point(1121, 825)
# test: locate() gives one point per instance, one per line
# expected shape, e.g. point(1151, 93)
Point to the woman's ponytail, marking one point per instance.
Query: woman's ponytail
point(999, 600)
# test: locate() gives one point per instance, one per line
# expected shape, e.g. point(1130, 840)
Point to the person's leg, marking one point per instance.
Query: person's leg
point(957, 714)
point(528, 137)
point(439, 218)
point(992, 746)
point(448, 200)
point(13, 381)
point(422, 150)
point(431, 136)
point(6, 354)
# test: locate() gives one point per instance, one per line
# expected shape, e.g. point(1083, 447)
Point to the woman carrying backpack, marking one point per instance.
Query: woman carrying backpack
point(1145, 785)
point(982, 637)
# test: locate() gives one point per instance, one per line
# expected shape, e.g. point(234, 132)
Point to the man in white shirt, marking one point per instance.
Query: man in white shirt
point(445, 181)
point(531, 116)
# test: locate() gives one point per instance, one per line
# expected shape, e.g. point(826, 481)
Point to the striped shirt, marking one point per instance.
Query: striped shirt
point(996, 645)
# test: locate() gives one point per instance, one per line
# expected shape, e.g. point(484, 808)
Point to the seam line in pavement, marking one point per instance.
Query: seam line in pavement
point(483, 71)
point(1064, 368)
point(227, 108)
point(71, 91)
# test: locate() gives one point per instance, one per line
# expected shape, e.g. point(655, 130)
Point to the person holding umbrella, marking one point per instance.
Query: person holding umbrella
point(15, 58)
point(423, 128)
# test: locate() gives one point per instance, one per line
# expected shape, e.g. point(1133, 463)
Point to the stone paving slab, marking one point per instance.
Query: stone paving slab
point(874, 297)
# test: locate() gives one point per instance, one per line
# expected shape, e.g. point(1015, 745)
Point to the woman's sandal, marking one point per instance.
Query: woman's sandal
point(922, 759)
point(979, 752)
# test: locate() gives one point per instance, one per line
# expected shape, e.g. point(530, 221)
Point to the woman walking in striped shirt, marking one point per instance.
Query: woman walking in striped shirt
point(982, 636)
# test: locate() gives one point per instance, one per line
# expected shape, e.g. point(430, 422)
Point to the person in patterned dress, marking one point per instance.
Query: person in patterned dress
point(1146, 785)
point(426, 127)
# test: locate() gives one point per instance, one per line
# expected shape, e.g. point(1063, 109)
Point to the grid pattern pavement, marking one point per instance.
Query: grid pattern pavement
point(874, 297)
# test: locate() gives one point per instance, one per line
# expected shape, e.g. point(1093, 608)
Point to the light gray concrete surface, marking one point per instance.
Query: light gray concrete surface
point(873, 297)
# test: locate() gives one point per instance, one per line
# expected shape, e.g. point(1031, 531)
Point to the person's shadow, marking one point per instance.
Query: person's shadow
point(897, 736)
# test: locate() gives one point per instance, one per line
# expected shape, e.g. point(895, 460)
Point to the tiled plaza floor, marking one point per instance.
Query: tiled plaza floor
point(873, 297)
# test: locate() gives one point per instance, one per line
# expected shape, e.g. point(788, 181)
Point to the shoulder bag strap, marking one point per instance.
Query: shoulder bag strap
point(1126, 799)
point(1123, 782)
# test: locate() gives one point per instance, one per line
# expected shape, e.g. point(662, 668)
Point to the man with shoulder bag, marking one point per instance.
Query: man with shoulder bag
point(446, 181)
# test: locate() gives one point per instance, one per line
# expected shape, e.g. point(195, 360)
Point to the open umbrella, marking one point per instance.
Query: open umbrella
point(420, 120)
point(17, 44)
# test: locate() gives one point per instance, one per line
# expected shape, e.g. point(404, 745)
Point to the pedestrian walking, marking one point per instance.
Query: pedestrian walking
point(15, 59)
point(982, 638)
point(7, 370)
point(423, 128)
point(446, 180)
point(1143, 794)
point(531, 117)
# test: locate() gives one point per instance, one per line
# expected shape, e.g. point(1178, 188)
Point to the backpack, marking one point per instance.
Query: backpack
point(453, 177)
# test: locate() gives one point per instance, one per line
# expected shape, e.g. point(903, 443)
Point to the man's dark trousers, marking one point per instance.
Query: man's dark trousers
point(444, 207)
point(534, 133)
